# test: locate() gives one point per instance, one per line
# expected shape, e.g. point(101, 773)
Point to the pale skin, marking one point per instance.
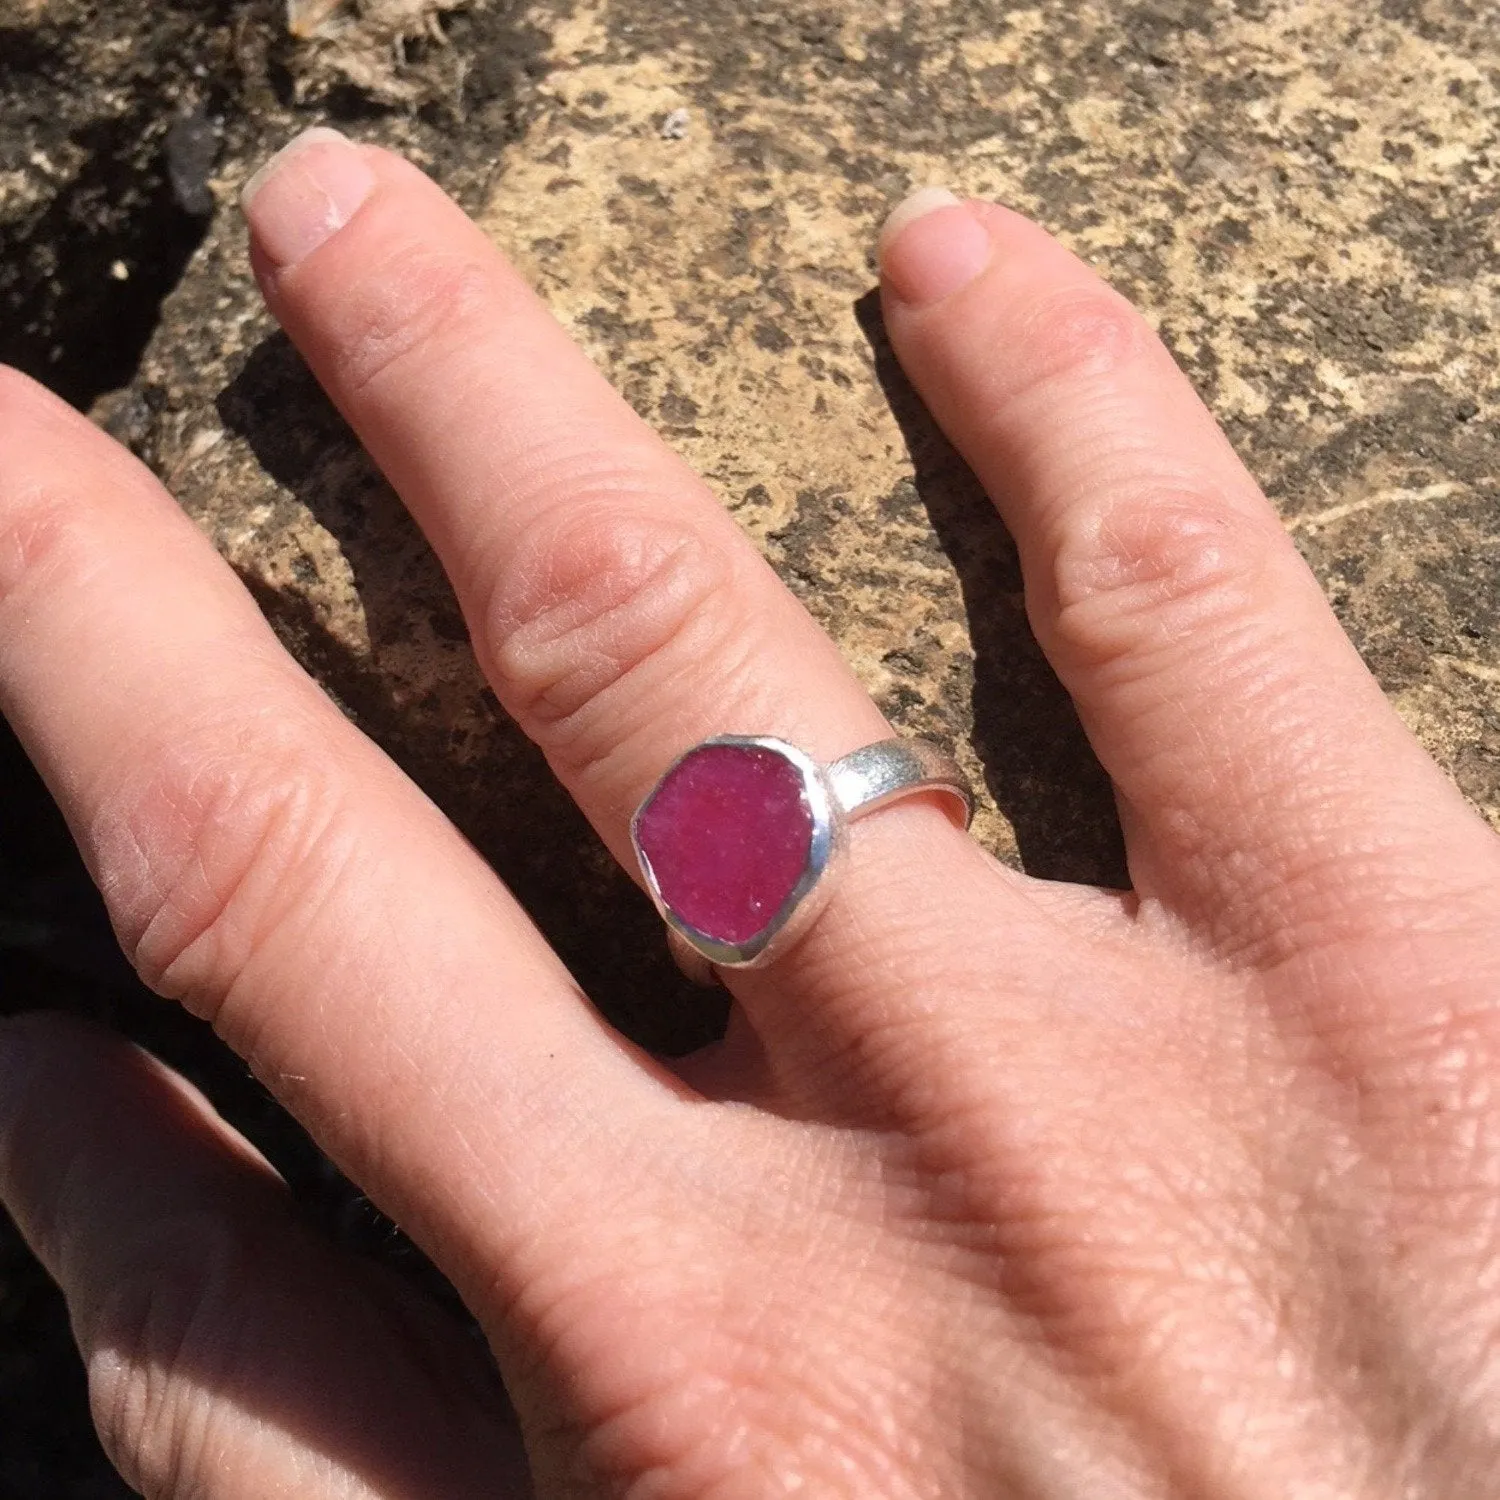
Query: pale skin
point(997, 1188)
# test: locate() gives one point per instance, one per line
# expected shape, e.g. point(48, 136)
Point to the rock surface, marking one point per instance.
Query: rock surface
point(1303, 197)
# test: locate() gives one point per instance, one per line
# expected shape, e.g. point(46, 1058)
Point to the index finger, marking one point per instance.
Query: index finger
point(267, 865)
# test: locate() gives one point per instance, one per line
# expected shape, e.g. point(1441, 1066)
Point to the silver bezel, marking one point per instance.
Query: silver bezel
point(805, 900)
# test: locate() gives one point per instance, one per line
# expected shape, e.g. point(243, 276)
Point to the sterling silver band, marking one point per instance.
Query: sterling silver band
point(881, 773)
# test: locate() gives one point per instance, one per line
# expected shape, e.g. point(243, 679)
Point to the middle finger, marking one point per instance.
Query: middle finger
point(615, 606)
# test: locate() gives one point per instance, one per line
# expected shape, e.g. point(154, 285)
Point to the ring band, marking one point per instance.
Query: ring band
point(738, 839)
point(881, 773)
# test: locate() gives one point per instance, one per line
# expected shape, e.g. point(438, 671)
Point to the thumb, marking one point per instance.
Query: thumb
point(232, 1353)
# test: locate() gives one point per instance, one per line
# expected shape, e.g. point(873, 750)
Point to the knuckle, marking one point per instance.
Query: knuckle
point(1155, 570)
point(39, 521)
point(225, 839)
point(419, 300)
point(160, 1338)
point(54, 464)
point(40, 535)
point(1081, 332)
point(602, 596)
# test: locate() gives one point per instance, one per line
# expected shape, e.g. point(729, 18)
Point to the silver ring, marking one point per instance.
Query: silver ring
point(739, 838)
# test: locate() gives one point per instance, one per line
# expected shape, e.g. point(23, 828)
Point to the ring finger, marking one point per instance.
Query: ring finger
point(614, 605)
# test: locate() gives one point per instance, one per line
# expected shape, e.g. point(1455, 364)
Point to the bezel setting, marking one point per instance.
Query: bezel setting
point(808, 894)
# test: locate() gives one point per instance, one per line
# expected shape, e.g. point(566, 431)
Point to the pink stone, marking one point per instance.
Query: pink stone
point(727, 835)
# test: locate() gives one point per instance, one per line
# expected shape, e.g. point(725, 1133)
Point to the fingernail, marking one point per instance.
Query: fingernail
point(305, 194)
point(931, 246)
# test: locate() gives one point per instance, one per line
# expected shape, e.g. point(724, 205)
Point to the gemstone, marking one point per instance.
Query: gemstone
point(726, 837)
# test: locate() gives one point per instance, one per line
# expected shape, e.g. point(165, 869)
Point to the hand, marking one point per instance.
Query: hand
point(996, 1187)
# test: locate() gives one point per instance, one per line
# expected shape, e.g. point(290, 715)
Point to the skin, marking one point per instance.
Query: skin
point(995, 1188)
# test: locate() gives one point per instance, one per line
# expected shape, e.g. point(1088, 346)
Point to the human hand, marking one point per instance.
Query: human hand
point(996, 1187)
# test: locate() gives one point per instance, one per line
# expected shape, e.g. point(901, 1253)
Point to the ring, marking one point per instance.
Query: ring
point(737, 840)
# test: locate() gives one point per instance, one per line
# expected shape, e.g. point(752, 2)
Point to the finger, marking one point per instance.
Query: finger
point(232, 1353)
point(1260, 769)
point(267, 865)
point(616, 608)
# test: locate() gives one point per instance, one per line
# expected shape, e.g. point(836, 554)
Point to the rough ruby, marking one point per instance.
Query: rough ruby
point(727, 835)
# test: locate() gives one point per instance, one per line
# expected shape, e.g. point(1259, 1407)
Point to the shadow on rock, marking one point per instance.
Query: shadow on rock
point(1037, 762)
point(435, 715)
